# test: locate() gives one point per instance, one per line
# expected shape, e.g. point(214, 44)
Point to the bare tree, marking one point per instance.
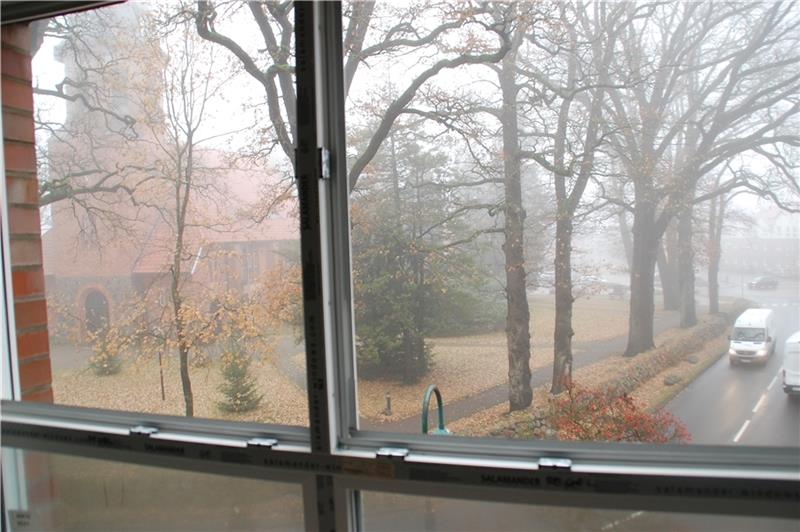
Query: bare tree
point(704, 94)
point(559, 76)
point(92, 158)
point(581, 100)
point(518, 336)
point(564, 74)
point(508, 171)
point(190, 79)
point(365, 37)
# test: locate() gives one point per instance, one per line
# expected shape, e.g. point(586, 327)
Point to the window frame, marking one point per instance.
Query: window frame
point(10, 362)
point(334, 458)
point(717, 461)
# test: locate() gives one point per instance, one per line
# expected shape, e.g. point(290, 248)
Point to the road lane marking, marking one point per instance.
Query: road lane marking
point(772, 382)
point(759, 403)
point(741, 431)
point(614, 524)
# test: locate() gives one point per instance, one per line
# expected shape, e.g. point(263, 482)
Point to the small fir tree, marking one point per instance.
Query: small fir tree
point(239, 387)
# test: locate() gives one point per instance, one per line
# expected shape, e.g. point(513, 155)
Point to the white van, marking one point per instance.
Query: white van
point(791, 365)
point(753, 337)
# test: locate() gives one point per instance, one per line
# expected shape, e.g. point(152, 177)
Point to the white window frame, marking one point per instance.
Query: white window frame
point(693, 461)
point(10, 387)
point(333, 458)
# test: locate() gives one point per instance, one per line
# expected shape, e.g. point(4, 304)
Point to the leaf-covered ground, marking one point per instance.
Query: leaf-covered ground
point(462, 366)
point(466, 365)
point(137, 388)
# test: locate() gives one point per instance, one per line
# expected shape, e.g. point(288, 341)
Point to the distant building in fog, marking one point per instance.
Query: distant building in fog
point(772, 246)
point(103, 249)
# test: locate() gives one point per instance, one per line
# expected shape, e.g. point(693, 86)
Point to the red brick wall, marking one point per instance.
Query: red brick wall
point(23, 212)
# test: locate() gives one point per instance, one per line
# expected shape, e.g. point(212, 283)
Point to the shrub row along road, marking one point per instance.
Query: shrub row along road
point(746, 405)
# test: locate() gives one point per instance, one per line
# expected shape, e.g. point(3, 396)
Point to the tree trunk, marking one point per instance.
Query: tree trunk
point(520, 394)
point(686, 269)
point(420, 355)
point(183, 348)
point(717, 210)
point(186, 383)
point(668, 273)
point(562, 361)
point(182, 191)
point(625, 234)
point(713, 285)
point(396, 181)
point(642, 309)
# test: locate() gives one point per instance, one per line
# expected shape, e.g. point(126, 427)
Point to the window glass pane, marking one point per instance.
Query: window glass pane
point(169, 219)
point(560, 210)
point(60, 492)
point(389, 511)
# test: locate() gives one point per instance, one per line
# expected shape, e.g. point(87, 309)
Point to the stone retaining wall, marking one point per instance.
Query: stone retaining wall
point(650, 363)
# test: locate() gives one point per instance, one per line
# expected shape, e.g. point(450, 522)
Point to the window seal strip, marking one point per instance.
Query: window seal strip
point(779, 462)
point(120, 422)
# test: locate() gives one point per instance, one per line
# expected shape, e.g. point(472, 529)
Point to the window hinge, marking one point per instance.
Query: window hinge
point(555, 463)
point(392, 453)
point(324, 163)
point(269, 443)
point(141, 430)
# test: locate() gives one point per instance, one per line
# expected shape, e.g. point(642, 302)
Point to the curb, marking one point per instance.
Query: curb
point(672, 391)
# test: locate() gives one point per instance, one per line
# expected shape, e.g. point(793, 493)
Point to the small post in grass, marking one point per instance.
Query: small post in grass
point(388, 410)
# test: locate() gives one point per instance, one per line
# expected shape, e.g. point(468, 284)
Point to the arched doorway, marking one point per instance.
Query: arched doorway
point(96, 311)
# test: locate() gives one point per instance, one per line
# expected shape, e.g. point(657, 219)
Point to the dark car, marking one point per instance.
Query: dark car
point(763, 282)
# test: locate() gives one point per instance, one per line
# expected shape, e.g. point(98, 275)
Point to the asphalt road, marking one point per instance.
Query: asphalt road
point(741, 404)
